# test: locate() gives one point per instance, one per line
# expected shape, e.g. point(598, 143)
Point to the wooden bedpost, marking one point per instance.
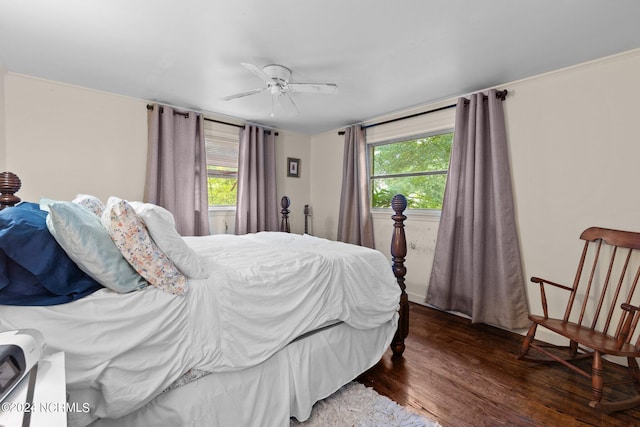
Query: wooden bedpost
point(9, 185)
point(398, 252)
point(284, 222)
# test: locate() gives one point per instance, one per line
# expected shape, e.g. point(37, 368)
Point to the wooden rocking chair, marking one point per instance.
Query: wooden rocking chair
point(607, 291)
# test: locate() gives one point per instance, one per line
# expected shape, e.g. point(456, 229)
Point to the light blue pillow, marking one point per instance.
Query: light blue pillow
point(44, 203)
point(81, 235)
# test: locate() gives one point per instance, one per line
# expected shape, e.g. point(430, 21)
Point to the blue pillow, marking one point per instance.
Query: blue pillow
point(23, 288)
point(4, 274)
point(36, 270)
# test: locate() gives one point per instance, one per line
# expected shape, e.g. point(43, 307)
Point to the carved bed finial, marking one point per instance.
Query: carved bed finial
point(9, 185)
point(398, 253)
point(284, 222)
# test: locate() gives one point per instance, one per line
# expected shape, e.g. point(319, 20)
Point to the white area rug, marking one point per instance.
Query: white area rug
point(357, 405)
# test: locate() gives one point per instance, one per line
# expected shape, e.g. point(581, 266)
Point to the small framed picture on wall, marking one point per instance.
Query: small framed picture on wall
point(293, 167)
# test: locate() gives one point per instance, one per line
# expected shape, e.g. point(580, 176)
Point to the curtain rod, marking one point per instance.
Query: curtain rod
point(268, 132)
point(501, 94)
point(223, 123)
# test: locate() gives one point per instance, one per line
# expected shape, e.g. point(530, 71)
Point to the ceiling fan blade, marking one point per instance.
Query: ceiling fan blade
point(258, 72)
point(288, 107)
point(325, 88)
point(293, 107)
point(242, 94)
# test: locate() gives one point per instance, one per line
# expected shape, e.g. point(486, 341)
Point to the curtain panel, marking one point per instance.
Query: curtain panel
point(176, 176)
point(477, 268)
point(257, 204)
point(355, 224)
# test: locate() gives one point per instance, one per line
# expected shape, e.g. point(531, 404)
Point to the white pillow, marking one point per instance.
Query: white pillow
point(80, 233)
point(162, 228)
point(131, 237)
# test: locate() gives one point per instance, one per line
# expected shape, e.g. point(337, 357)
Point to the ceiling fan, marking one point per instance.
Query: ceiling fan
point(277, 79)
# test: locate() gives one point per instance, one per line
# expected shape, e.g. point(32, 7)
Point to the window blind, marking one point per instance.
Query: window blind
point(222, 143)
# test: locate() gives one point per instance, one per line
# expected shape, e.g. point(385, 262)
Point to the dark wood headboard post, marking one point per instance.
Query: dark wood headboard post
point(284, 222)
point(398, 253)
point(9, 185)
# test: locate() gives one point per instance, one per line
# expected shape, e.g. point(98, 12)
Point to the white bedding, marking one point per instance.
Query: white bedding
point(267, 395)
point(263, 291)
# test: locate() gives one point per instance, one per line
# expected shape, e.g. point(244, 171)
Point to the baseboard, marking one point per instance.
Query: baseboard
point(542, 334)
point(418, 299)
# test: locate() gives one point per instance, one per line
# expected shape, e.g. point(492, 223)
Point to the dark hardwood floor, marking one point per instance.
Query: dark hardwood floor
point(464, 374)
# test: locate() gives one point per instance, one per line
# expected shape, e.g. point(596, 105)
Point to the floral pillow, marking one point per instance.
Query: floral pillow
point(90, 202)
point(131, 237)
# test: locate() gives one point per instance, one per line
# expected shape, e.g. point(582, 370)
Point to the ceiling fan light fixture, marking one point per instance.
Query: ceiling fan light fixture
point(275, 90)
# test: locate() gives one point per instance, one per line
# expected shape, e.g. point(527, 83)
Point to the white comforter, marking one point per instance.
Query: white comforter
point(263, 290)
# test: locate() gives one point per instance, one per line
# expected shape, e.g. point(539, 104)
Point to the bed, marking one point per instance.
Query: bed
point(207, 331)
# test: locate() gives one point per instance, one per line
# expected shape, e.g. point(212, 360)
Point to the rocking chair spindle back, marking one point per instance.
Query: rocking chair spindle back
point(603, 294)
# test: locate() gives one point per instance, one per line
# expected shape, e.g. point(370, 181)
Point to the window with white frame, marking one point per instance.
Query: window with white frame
point(222, 143)
point(416, 167)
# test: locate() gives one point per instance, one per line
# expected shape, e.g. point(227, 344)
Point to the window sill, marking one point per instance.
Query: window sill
point(424, 214)
point(222, 208)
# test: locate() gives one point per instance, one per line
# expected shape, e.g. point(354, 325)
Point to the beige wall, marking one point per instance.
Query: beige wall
point(326, 180)
point(289, 144)
point(573, 137)
point(3, 148)
point(574, 146)
point(62, 140)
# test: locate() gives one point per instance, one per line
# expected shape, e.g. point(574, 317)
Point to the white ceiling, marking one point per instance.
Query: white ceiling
point(384, 55)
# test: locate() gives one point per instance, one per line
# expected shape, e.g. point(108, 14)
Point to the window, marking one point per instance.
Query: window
point(416, 168)
point(222, 142)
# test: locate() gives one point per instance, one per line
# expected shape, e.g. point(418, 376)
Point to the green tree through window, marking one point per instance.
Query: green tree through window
point(222, 144)
point(416, 168)
point(222, 190)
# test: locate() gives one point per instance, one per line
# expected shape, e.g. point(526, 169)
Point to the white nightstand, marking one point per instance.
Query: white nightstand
point(49, 398)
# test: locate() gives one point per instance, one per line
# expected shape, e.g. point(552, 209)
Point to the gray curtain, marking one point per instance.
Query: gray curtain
point(477, 268)
point(257, 204)
point(177, 168)
point(354, 221)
